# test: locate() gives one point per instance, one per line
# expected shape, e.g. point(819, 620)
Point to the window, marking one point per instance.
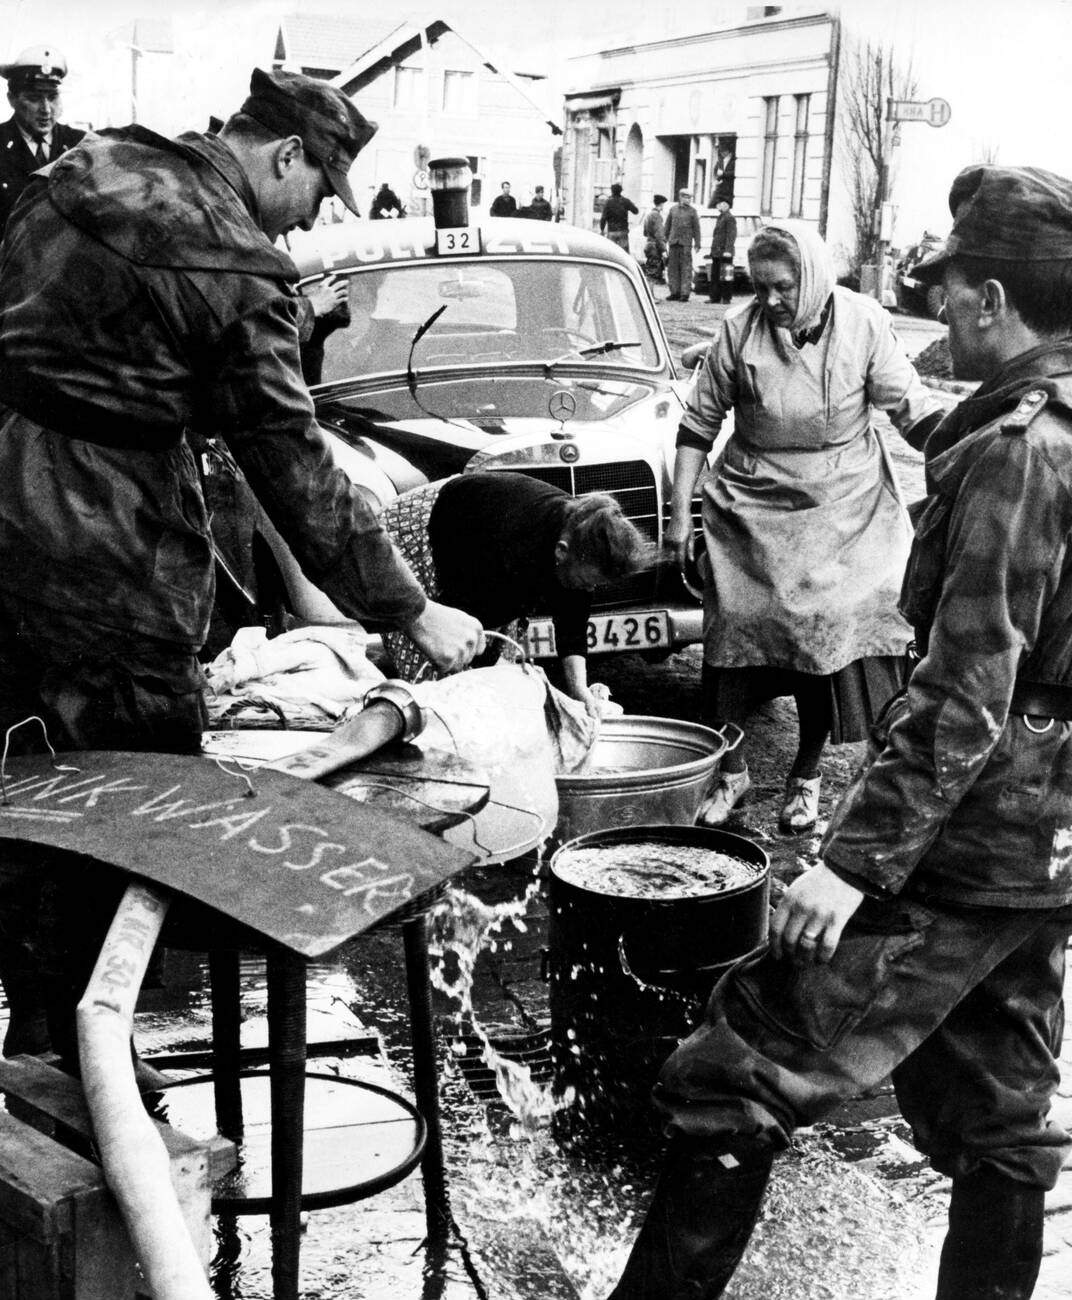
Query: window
point(770, 152)
point(459, 92)
point(800, 155)
point(407, 87)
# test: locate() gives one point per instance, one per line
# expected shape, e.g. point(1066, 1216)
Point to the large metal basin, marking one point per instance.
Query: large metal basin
point(642, 771)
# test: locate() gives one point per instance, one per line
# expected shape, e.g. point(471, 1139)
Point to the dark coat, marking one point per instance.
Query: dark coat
point(725, 236)
point(503, 205)
point(17, 163)
point(139, 299)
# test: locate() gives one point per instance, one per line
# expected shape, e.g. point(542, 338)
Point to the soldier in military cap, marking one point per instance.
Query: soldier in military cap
point(32, 137)
point(143, 299)
point(929, 942)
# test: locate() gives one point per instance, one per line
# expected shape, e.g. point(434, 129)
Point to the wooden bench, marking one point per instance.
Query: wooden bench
point(61, 1236)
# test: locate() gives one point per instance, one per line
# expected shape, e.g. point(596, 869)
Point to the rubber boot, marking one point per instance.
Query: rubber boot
point(993, 1248)
point(698, 1225)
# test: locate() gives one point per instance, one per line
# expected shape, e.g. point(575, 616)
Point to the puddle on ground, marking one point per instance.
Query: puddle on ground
point(542, 1212)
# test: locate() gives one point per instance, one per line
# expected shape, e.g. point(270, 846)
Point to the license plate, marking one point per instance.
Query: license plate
point(452, 240)
point(607, 634)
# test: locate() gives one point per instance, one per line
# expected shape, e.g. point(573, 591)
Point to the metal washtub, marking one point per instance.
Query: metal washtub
point(642, 771)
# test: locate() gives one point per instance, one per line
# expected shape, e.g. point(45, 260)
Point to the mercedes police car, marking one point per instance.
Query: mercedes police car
point(501, 344)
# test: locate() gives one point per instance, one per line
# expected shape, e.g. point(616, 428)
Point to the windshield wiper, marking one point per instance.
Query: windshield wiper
point(411, 378)
point(611, 345)
point(593, 350)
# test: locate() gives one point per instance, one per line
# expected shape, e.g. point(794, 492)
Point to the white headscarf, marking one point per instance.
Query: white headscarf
point(817, 278)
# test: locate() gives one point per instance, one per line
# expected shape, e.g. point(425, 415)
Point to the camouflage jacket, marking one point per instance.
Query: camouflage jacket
point(958, 797)
point(140, 301)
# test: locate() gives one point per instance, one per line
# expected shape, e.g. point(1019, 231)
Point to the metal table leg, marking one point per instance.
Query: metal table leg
point(224, 976)
point(286, 1048)
point(425, 1076)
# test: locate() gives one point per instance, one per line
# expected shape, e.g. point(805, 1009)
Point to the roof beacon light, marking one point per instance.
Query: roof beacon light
point(450, 180)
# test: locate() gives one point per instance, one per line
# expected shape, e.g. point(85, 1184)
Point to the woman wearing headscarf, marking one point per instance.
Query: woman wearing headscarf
point(806, 535)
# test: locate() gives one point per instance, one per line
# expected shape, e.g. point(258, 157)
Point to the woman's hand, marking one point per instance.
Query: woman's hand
point(680, 539)
point(812, 914)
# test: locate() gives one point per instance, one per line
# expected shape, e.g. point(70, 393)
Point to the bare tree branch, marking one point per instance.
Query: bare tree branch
point(872, 72)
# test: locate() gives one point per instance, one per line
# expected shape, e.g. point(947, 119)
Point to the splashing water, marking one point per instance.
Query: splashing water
point(462, 926)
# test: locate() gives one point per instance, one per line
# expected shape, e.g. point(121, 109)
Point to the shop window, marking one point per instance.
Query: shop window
point(408, 83)
point(800, 155)
point(770, 154)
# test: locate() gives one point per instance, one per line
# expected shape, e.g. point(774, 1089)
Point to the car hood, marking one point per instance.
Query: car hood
point(448, 420)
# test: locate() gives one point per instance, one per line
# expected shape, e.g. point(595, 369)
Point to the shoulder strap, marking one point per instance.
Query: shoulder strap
point(1032, 402)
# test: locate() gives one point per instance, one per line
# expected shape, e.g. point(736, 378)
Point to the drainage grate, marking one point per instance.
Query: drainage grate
point(532, 1049)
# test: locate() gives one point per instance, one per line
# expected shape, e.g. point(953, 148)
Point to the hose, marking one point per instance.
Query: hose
point(135, 1161)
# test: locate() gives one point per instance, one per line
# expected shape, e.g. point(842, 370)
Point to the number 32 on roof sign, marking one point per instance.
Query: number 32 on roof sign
point(453, 240)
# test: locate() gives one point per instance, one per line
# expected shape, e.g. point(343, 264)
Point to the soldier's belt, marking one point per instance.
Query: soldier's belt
point(1042, 700)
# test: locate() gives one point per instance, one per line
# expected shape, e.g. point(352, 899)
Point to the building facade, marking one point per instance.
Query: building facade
point(744, 113)
point(434, 94)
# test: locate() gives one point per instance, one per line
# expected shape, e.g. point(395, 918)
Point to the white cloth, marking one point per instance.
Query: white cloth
point(310, 674)
point(817, 276)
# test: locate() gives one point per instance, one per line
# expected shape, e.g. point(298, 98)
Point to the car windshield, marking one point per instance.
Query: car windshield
point(492, 313)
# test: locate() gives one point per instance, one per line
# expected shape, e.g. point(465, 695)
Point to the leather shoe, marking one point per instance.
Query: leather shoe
point(801, 810)
point(729, 793)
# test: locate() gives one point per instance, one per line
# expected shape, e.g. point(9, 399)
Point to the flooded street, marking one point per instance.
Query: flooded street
point(544, 1207)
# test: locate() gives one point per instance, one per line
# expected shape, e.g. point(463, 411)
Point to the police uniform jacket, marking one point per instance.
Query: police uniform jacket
point(964, 796)
point(18, 162)
point(139, 300)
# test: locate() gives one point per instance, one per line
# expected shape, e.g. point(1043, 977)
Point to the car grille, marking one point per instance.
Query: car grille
point(632, 484)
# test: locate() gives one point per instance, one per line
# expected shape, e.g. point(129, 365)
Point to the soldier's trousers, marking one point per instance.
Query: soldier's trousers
point(962, 1006)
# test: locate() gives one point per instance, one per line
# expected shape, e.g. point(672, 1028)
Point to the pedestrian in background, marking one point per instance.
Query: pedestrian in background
point(655, 241)
point(805, 536)
point(504, 204)
point(33, 136)
point(144, 298)
point(723, 242)
point(539, 209)
point(386, 204)
point(614, 219)
point(682, 231)
point(929, 942)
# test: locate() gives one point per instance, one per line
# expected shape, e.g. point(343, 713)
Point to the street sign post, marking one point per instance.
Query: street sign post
point(935, 112)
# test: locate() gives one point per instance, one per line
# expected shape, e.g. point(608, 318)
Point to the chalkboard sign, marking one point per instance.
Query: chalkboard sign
point(293, 860)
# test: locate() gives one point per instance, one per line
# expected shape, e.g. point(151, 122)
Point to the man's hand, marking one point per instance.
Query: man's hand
point(812, 914)
point(328, 295)
point(448, 636)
